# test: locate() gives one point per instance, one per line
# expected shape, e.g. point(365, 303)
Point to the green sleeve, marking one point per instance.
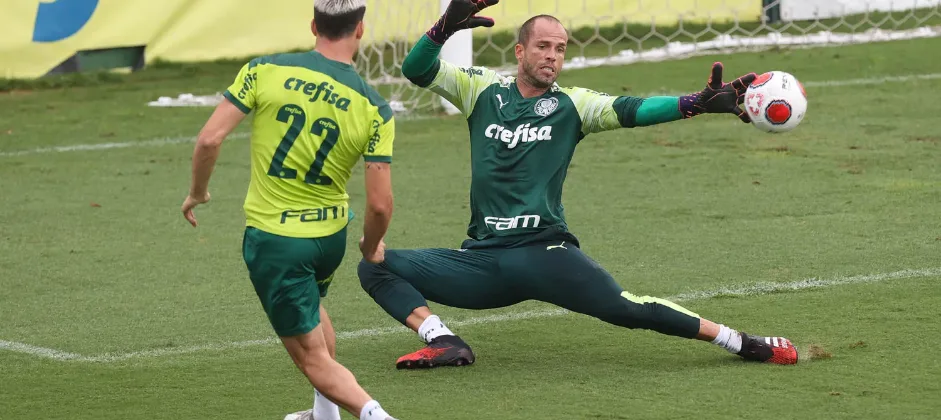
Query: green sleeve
point(242, 91)
point(625, 107)
point(421, 65)
point(657, 110)
point(458, 85)
point(641, 112)
point(600, 112)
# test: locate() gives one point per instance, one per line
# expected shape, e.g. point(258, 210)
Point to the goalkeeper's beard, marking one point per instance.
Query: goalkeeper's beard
point(531, 76)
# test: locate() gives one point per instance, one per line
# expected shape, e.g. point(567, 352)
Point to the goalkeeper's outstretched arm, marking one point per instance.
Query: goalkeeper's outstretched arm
point(600, 112)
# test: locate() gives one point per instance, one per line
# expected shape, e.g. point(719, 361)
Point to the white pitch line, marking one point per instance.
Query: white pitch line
point(163, 141)
point(873, 80)
point(341, 335)
point(811, 283)
point(160, 141)
point(39, 351)
point(750, 290)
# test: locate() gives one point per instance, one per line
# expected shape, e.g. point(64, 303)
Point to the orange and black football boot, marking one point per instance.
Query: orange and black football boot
point(445, 350)
point(777, 350)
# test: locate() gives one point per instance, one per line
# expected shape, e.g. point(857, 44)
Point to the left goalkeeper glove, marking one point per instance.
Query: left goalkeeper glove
point(718, 97)
point(461, 14)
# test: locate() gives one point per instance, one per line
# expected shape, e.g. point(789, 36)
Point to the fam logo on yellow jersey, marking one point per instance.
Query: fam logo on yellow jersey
point(324, 92)
point(314, 215)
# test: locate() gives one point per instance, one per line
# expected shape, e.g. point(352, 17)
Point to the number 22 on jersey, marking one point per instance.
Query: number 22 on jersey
point(323, 127)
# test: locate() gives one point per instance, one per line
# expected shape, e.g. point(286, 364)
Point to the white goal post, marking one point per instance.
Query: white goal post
point(617, 32)
point(459, 49)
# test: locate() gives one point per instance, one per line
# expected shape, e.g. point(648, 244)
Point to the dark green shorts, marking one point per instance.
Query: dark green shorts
point(290, 276)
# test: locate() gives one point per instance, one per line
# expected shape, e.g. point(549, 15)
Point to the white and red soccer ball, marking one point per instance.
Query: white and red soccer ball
point(776, 102)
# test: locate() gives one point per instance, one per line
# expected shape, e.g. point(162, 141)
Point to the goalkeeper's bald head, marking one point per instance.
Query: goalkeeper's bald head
point(338, 19)
point(526, 30)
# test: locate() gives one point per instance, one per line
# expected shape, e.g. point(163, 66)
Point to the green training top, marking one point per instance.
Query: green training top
point(521, 147)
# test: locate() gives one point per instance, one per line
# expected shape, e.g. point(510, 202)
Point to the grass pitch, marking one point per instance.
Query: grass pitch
point(112, 307)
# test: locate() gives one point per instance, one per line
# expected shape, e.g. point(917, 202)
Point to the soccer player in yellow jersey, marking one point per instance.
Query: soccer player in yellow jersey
point(314, 119)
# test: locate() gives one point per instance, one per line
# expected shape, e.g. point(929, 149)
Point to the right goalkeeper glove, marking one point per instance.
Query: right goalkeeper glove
point(461, 14)
point(718, 97)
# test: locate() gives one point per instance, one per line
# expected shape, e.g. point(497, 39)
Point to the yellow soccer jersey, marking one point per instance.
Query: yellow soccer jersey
point(314, 118)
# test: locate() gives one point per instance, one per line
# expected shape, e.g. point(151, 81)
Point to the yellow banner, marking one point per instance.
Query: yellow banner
point(39, 35)
point(579, 13)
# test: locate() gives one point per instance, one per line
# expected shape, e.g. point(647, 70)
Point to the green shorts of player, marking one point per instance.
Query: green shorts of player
point(291, 276)
point(550, 271)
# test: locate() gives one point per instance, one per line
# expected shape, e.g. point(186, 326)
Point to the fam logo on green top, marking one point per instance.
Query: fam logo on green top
point(546, 106)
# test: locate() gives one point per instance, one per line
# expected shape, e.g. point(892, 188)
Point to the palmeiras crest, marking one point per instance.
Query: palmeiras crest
point(546, 106)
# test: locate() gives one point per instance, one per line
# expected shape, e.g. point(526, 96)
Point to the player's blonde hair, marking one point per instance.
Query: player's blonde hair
point(338, 19)
point(338, 7)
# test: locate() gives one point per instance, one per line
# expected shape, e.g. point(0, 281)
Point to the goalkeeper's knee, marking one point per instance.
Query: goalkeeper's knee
point(395, 295)
point(372, 276)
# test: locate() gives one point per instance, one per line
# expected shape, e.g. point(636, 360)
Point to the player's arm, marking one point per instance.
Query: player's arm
point(379, 206)
point(379, 202)
point(239, 100)
point(424, 68)
point(600, 112)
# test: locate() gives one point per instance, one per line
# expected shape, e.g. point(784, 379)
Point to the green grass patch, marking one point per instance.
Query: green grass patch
point(95, 257)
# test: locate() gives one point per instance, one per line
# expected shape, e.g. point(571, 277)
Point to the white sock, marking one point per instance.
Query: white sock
point(431, 328)
point(324, 409)
point(372, 411)
point(728, 339)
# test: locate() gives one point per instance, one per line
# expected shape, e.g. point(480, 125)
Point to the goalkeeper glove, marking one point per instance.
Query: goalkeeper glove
point(460, 14)
point(718, 97)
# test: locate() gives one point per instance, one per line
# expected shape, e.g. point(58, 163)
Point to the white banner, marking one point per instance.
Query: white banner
point(792, 10)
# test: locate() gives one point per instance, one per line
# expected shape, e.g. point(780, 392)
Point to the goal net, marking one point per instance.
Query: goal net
point(617, 32)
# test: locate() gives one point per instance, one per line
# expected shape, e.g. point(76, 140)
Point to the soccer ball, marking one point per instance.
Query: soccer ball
point(776, 102)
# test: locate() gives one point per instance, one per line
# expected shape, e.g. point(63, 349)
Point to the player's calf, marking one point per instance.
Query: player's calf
point(647, 313)
point(401, 300)
point(309, 352)
point(669, 318)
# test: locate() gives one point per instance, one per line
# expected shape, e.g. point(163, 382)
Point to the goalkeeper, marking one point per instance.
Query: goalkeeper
point(523, 132)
